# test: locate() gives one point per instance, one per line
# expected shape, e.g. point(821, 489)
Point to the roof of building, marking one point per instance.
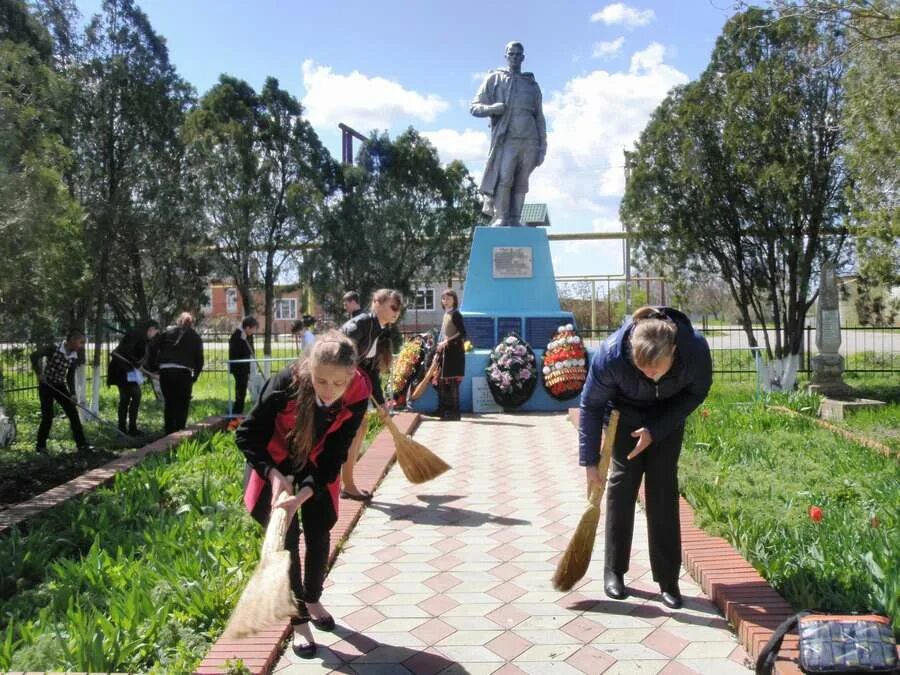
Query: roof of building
point(536, 215)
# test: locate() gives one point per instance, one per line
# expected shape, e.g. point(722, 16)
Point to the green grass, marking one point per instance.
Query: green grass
point(752, 474)
point(138, 577)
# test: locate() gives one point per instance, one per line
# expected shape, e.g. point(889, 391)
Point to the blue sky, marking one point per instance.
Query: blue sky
point(388, 64)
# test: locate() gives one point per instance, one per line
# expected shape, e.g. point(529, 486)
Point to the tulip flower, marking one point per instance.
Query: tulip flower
point(815, 513)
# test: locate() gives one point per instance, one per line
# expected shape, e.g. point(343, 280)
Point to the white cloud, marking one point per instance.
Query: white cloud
point(590, 122)
point(607, 49)
point(620, 13)
point(469, 146)
point(363, 102)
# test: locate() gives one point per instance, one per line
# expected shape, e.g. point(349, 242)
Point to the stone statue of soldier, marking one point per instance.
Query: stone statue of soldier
point(512, 99)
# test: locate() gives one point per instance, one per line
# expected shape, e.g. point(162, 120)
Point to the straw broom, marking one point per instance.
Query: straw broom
point(574, 563)
point(267, 598)
point(422, 387)
point(419, 464)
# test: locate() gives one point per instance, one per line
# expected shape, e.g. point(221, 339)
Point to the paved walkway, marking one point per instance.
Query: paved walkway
point(454, 576)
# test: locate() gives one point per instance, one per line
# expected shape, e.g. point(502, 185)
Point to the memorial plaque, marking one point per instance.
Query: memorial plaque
point(482, 399)
point(540, 330)
point(513, 262)
point(507, 325)
point(480, 331)
point(830, 330)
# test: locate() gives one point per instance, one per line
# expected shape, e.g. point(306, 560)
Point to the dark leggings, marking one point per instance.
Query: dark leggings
point(129, 402)
point(176, 385)
point(317, 518)
point(658, 465)
point(59, 393)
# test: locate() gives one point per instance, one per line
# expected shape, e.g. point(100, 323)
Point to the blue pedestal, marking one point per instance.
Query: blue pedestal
point(510, 286)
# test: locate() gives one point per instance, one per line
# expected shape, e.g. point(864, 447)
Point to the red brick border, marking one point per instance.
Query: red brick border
point(746, 600)
point(91, 480)
point(260, 652)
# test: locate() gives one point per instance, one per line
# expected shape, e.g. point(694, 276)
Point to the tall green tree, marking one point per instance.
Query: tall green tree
point(262, 176)
point(400, 218)
point(40, 223)
point(741, 172)
point(127, 150)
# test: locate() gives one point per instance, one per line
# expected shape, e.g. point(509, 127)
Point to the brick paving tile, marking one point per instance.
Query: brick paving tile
point(453, 576)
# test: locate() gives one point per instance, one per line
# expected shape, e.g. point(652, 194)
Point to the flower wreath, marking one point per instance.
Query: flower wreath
point(406, 365)
point(512, 372)
point(565, 364)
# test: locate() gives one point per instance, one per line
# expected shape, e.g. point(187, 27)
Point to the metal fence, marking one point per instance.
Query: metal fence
point(865, 350)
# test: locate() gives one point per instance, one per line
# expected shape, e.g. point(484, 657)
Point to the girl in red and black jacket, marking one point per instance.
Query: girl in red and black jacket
point(295, 440)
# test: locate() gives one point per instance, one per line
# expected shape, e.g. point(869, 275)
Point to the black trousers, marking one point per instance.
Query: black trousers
point(59, 393)
point(317, 518)
point(240, 392)
point(658, 466)
point(176, 385)
point(129, 402)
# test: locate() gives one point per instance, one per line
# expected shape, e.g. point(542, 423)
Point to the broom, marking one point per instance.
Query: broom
point(422, 387)
point(574, 563)
point(267, 598)
point(419, 464)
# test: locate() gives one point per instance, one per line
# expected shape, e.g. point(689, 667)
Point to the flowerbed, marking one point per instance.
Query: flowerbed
point(141, 576)
point(814, 513)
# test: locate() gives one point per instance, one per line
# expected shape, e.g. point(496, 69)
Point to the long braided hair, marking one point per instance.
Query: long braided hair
point(332, 348)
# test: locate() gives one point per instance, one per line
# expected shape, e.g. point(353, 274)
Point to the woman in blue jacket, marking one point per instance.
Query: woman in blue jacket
point(655, 371)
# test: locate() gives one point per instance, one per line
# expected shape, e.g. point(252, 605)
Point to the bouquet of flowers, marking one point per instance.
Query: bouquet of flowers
point(512, 372)
point(565, 364)
point(406, 364)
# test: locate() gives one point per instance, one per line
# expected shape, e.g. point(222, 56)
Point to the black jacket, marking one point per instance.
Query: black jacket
point(365, 330)
point(181, 346)
point(128, 355)
point(614, 379)
point(240, 347)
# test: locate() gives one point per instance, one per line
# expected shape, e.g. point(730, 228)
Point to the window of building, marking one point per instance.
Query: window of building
point(424, 299)
point(231, 299)
point(286, 308)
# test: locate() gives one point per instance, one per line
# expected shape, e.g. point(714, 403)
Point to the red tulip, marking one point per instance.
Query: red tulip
point(704, 412)
point(815, 513)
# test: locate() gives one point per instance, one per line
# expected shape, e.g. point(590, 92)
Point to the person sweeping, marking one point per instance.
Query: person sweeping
point(295, 441)
point(655, 371)
point(370, 331)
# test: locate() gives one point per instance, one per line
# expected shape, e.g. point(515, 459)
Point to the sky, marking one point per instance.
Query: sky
point(389, 64)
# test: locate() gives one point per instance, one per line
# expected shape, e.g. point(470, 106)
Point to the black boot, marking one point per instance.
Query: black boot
point(671, 595)
point(441, 390)
point(614, 585)
point(451, 413)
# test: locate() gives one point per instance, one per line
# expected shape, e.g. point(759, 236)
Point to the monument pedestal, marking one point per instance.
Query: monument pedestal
point(510, 287)
point(835, 409)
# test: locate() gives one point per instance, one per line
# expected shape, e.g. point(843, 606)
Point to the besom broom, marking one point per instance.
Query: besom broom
point(267, 597)
point(574, 563)
point(419, 464)
point(422, 387)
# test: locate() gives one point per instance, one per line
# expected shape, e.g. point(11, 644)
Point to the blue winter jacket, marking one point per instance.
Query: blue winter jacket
point(614, 381)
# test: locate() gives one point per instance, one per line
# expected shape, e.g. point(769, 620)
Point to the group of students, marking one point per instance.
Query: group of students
point(174, 356)
point(302, 437)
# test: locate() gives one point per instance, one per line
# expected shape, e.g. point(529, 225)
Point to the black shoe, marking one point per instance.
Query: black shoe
point(135, 432)
point(42, 449)
point(86, 448)
point(671, 597)
point(304, 651)
point(614, 586)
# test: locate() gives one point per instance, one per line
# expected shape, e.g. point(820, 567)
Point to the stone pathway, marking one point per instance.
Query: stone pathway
point(453, 576)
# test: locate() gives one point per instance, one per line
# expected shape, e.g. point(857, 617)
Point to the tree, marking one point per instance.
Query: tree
point(263, 177)
point(44, 263)
point(740, 172)
point(400, 217)
point(127, 174)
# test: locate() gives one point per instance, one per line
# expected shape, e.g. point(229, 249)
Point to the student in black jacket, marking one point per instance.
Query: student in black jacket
point(123, 371)
point(53, 365)
point(240, 347)
point(177, 354)
point(371, 333)
point(655, 371)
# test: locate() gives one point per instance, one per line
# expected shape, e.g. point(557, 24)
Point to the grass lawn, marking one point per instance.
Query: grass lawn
point(753, 475)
